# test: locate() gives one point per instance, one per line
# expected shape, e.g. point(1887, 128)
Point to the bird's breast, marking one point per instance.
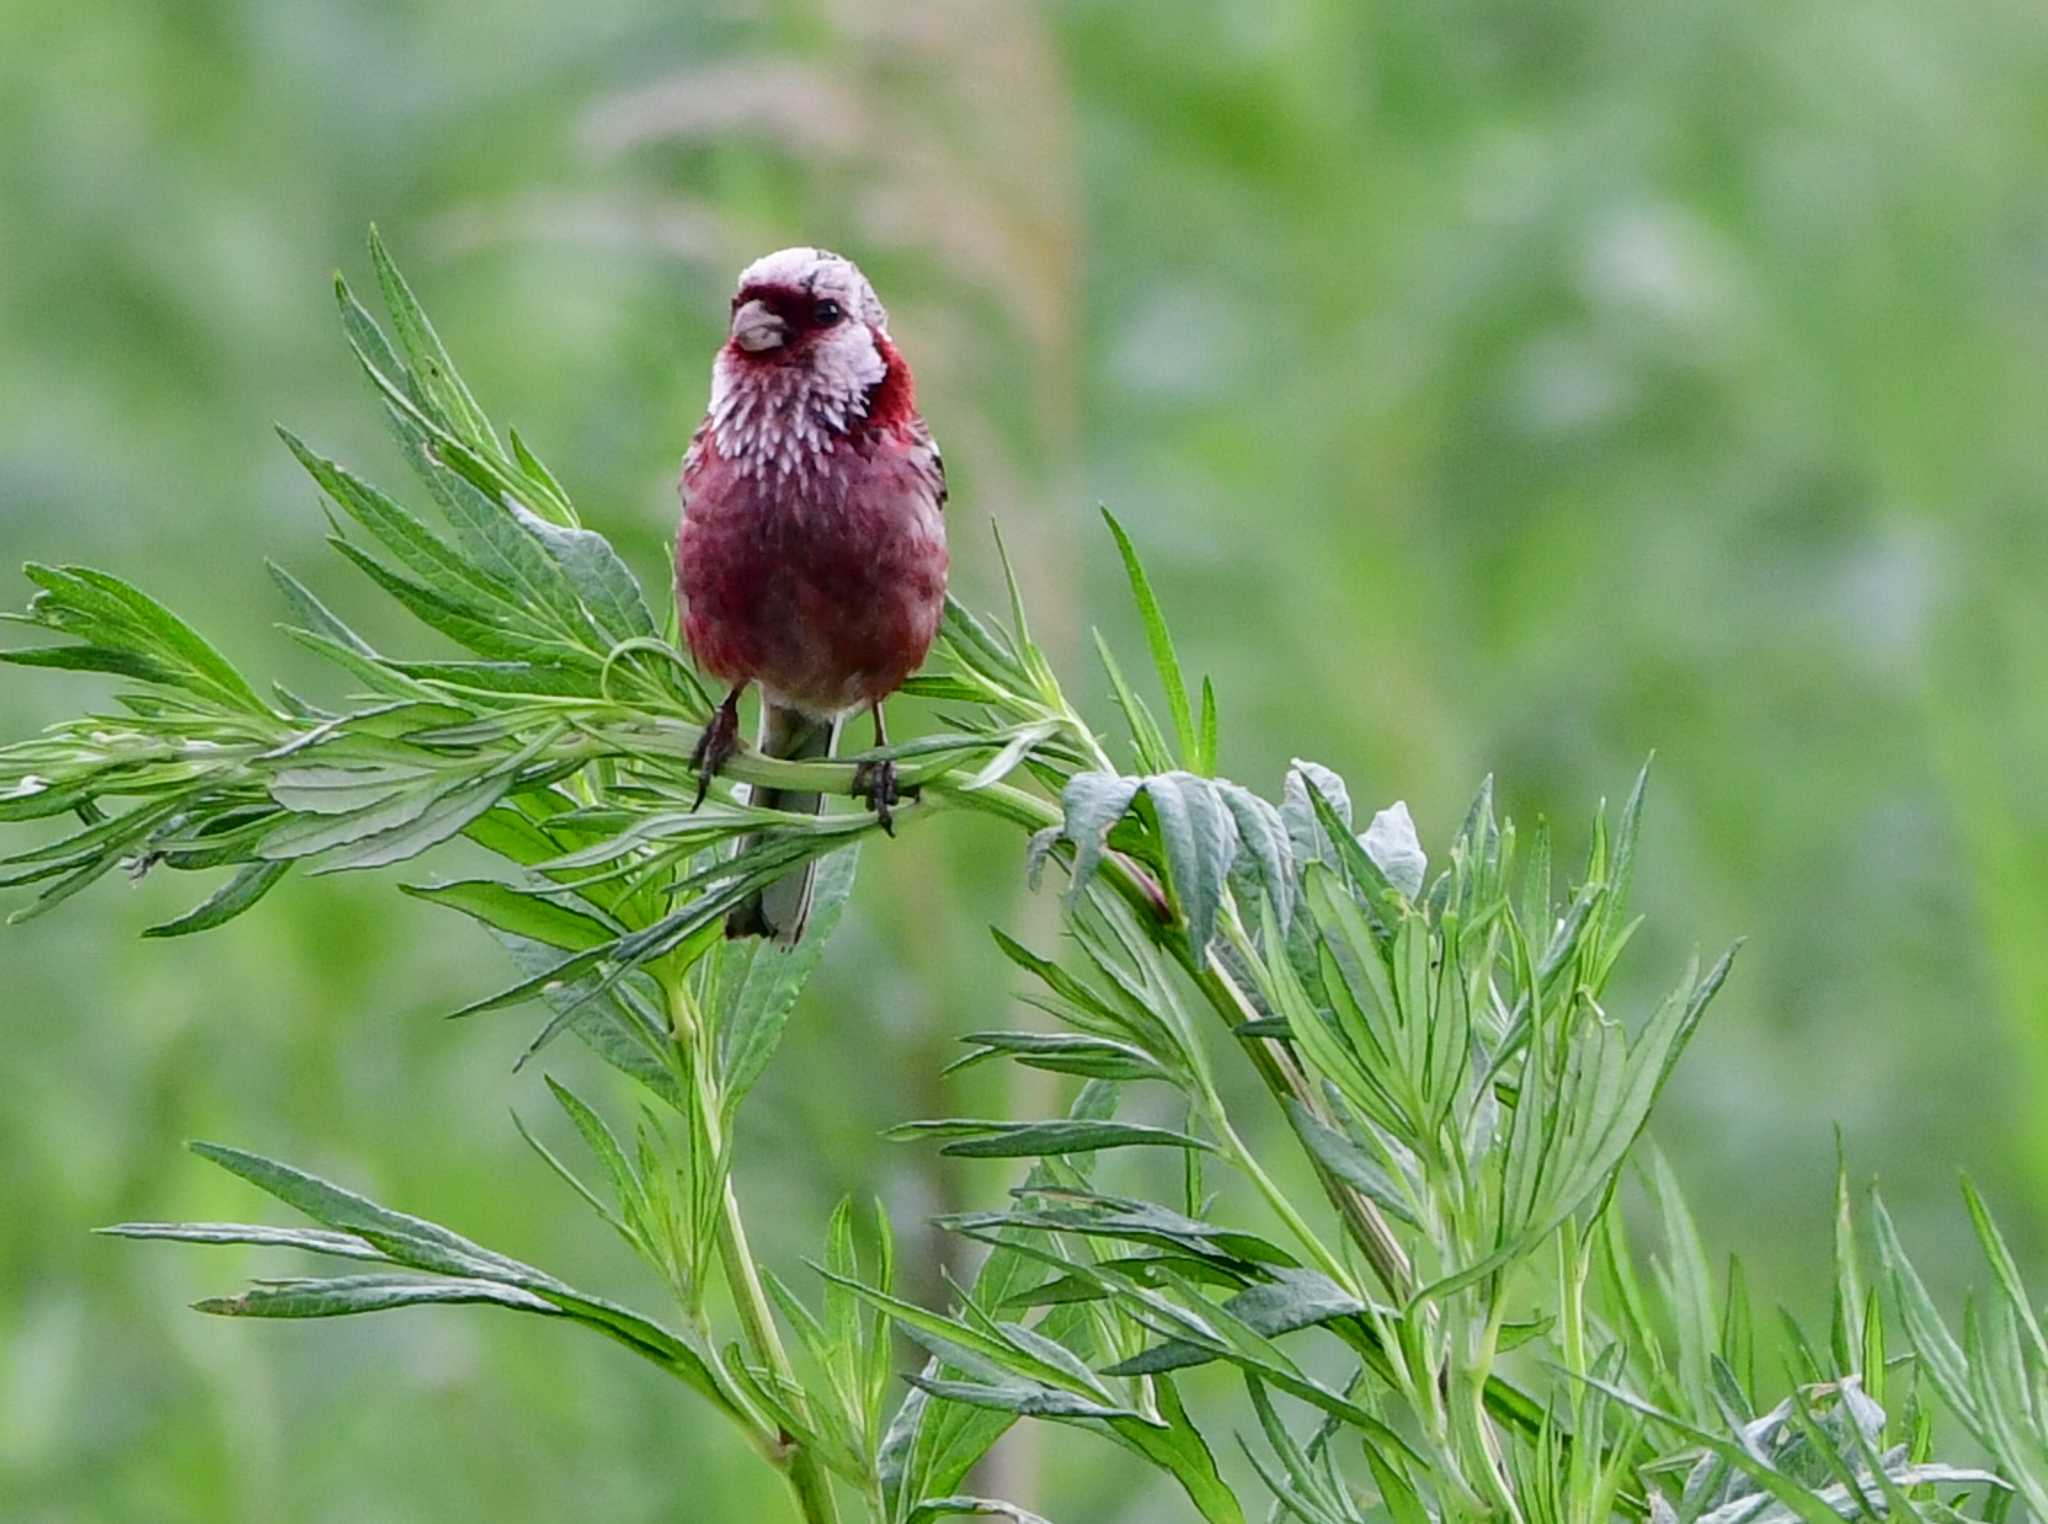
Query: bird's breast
point(825, 588)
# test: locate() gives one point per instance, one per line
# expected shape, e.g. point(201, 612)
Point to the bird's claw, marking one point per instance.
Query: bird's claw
point(874, 783)
point(715, 748)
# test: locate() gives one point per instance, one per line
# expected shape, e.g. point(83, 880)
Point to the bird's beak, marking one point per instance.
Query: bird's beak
point(755, 327)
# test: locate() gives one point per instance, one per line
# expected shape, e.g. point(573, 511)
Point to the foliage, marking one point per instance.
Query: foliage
point(1440, 1045)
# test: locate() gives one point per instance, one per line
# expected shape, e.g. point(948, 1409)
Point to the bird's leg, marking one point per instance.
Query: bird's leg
point(720, 740)
point(875, 782)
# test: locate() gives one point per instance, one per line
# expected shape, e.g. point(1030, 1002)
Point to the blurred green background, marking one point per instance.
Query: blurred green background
point(1490, 386)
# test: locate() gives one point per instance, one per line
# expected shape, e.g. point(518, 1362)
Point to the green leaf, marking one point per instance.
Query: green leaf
point(1142, 1223)
point(1206, 752)
point(1179, 1449)
point(539, 474)
point(109, 612)
point(600, 579)
point(532, 914)
point(615, 1023)
point(447, 814)
point(343, 1296)
point(313, 1240)
point(758, 982)
point(1024, 1399)
point(308, 834)
point(1350, 1163)
point(630, 1193)
point(421, 1245)
point(1154, 755)
point(1161, 641)
point(326, 790)
point(1846, 1332)
point(1390, 841)
point(995, 1350)
point(1939, 1354)
point(1799, 1500)
point(1267, 849)
point(1738, 1332)
point(135, 664)
point(1013, 1140)
point(1292, 1300)
point(250, 884)
point(1199, 837)
point(411, 1241)
point(561, 679)
point(1688, 1284)
point(2002, 1265)
point(1608, 1094)
point(1306, 780)
point(931, 1443)
point(459, 617)
point(959, 1506)
point(314, 615)
point(1092, 803)
point(441, 388)
point(980, 650)
point(1064, 1053)
point(497, 592)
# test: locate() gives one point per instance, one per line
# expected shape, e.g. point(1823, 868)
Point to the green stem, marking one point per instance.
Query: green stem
point(1276, 1198)
point(757, 1325)
point(763, 1342)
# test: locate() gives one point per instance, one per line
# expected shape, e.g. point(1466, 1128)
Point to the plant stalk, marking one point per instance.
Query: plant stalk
point(813, 1488)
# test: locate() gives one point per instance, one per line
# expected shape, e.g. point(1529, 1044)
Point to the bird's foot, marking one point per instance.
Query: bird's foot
point(874, 783)
point(716, 746)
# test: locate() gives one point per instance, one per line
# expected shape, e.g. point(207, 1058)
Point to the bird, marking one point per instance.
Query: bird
point(811, 561)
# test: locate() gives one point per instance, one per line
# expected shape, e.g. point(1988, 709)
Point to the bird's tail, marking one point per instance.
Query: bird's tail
point(780, 909)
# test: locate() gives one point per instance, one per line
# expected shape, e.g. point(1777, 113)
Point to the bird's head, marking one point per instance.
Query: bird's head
point(807, 360)
point(812, 310)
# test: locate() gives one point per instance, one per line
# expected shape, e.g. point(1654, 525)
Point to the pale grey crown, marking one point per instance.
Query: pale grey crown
point(819, 273)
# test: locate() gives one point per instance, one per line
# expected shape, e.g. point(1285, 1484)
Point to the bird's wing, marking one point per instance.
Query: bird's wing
point(931, 464)
point(694, 460)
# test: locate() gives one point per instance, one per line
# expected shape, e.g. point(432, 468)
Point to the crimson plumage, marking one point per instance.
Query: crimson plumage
point(812, 555)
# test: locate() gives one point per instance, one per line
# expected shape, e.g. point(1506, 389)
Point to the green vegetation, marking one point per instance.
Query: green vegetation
point(1488, 391)
point(1441, 1047)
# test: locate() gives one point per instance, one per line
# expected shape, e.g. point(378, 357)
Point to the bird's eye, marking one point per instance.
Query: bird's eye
point(826, 313)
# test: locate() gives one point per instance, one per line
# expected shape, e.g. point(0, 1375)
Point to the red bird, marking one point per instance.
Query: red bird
point(812, 558)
